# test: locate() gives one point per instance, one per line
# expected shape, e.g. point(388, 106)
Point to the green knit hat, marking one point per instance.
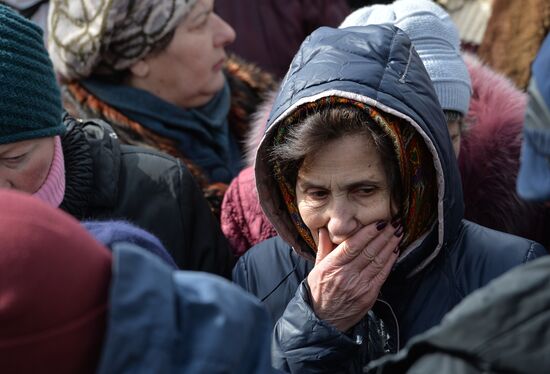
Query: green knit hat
point(30, 101)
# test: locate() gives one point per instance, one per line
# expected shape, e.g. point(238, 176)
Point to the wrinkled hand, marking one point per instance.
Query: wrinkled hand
point(346, 280)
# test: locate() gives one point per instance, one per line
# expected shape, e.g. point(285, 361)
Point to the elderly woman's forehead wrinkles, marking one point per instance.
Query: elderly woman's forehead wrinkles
point(354, 184)
point(305, 181)
point(345, 180)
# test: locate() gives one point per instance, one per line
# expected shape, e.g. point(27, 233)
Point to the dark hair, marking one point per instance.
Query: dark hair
point(327, 124)
point(122, 76)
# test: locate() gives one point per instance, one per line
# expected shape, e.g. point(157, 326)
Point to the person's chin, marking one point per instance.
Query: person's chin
point(216, 84)
point(218, 81)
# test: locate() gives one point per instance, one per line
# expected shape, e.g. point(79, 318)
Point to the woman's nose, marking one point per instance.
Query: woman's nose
point(342, 220)
point(225, 34)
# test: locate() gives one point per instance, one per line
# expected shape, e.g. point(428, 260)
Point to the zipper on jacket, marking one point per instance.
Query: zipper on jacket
point(396, 322)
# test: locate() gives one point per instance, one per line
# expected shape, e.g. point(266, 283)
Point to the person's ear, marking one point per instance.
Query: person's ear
point(140, 69)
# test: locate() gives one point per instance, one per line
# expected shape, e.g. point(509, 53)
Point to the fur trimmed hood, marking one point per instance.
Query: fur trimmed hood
point(489, 156)
point(496, 101)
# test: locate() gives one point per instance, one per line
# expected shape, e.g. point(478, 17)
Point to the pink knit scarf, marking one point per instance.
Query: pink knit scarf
point(52, 190)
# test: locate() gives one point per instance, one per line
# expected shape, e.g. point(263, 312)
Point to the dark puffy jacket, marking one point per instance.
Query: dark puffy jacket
point(375, 65)
point(501, 328)
point(247, 85)
point(108, 181)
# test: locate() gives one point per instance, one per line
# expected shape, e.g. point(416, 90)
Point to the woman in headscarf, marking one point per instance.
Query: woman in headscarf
point(484, 113)
point(358, 175)
point(157, 72)
point(81, 167)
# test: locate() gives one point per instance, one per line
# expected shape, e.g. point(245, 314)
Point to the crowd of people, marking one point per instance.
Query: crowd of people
point(375, 197)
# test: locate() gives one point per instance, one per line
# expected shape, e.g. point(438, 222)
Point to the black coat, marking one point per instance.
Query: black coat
point(109, 181)
point(375, 65)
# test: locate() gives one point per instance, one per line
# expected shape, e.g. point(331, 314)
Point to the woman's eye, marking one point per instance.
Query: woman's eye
point(202, 23)
point(365, 191)
point(317, 194)
point(13, 160)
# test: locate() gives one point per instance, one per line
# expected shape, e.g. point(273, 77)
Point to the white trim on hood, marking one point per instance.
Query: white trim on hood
point(427, 140)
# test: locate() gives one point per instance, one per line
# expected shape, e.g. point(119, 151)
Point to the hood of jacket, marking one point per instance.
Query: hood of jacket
point(166, 321)
point(377, 66)
point(497, 112)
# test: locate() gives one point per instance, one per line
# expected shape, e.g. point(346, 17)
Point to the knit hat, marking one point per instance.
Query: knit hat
point(54, 289)
point(111, 232)
point(533, 181)
point(435, 38)
point(52, 190)
point(108, 35)
point(30, 106)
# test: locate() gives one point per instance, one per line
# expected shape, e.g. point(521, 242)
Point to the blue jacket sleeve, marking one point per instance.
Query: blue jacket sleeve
point(302, 343)
point(535, 251)
point(166, 321)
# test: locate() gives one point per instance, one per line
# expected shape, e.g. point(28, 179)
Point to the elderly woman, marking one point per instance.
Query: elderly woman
point(489, 160)
point(154, 70)
point(436, 40)
point(358, 175)
point(81, 167)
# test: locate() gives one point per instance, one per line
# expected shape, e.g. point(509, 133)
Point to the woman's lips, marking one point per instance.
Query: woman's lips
point(219, 65)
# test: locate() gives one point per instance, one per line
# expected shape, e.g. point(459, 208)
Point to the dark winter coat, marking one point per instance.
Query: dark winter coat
point(108, 181)
point(375, 65)
point(247, 84)
point(501, 328)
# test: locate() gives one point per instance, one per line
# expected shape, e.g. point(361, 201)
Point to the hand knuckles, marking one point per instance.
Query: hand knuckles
point(377, 263)
point(349, 250)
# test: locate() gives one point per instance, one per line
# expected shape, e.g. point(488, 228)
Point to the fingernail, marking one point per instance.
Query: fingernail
point(396, 250)
point(395, 222)
point(380, 225)
point(399, 231)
